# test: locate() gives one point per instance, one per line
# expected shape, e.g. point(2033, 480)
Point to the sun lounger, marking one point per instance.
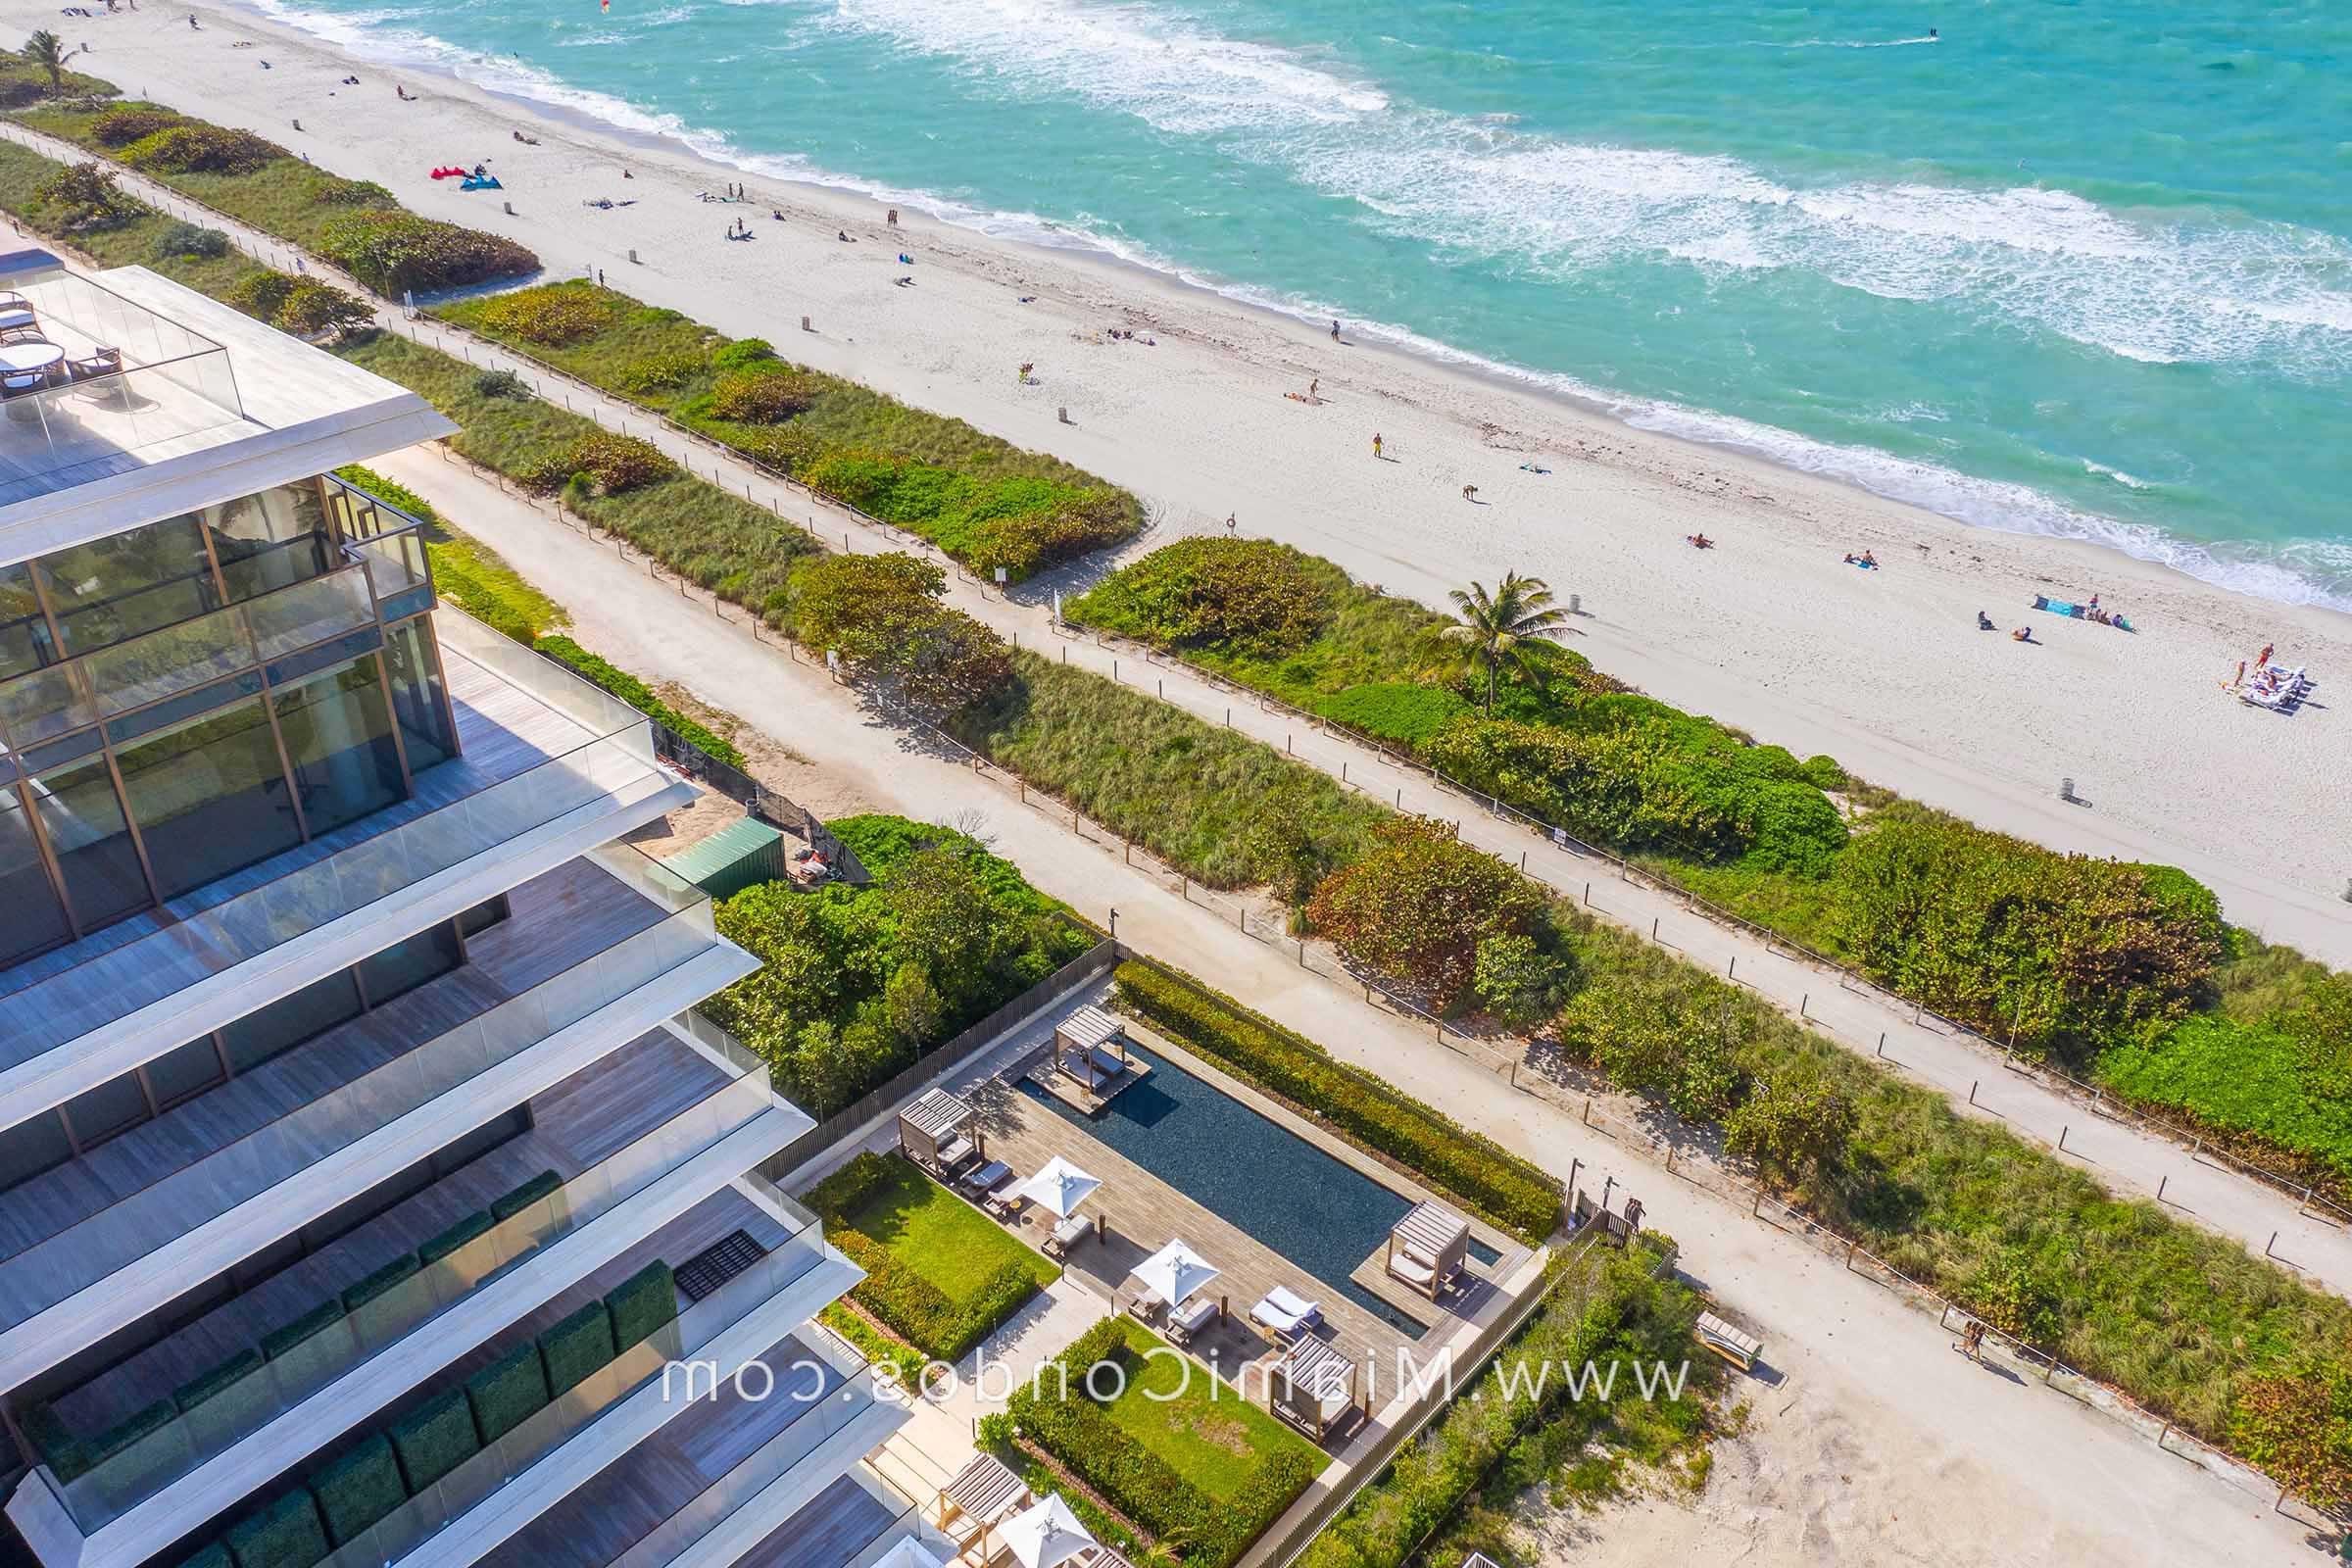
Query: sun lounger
point(1068, 1234)
point(956, 1154)
point(1285, 1313)
point(1004, 1202)
point(981, 1180)
point(1188, 1319)
point(1417, 1272)
point(1145, 1309)
point(1107, 1064)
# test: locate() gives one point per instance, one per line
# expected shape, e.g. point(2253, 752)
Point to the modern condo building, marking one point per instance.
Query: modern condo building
point(364, 1175)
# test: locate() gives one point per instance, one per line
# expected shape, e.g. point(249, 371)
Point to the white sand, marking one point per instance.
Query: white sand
point(1770, 631)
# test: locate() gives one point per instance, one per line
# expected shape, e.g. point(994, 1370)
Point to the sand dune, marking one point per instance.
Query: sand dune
point(1770, 631)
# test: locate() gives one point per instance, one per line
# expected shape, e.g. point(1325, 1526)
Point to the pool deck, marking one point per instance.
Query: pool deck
point(1140, 1213)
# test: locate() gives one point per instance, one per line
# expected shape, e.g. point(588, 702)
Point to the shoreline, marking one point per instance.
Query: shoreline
point(1768, 632)
point(1705, 431)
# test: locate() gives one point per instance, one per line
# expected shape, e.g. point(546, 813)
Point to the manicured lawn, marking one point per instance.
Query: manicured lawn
point(1207, 1432)
point(940, 1236)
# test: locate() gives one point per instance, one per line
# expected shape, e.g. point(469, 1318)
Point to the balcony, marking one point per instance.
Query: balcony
point(551, 766)
point(128, 387)
point(190, 1218)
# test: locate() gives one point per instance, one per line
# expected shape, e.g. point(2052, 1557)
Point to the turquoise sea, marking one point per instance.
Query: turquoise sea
point(2067, 268)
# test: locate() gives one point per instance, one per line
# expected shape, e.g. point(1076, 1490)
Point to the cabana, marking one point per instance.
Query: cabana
point(936, 1132)
point(984, 1495)
point(1047, 1535)
point(1090, 1046)
point(1428, 1248)
point(1313, 1388)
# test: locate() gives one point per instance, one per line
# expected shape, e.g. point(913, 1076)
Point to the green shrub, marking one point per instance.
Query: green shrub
point(2298, 1427)
point(473, 1225)
point(655, 371)
point(612, 463)
point(1412, 715)
point(1671, 1035)
point(192, 148)
point(331, 191)
point(260, 294)
point(84, 196)
point(1248, 595)
point(742, 353)
point(578, 1348)
point(120, 127)
point(283, 1532)
point(379, 1280)
point(390, 492)
point(919, 1311)
point(2246, 1086)
point(765, 394)
point(642, 1304)
point(312, 308)
point(1417, 904)
point(2064, 950)
point(1517, 981)
point(544, 1185)
point(552, 315)
point(389, 250)
point(358, 1488)
point(501, 384)
point(279, 1341)
point(433, 1439)
point(187, 239)
point(634, 691)
point(141, 1423)
point(1464, 1165)
point(507, 1393)
point(193, 1393)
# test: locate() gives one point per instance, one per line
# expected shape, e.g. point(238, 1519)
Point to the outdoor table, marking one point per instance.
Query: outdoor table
point(27, 356)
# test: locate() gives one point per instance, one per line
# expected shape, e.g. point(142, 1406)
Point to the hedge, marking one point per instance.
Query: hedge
point(473, 1225)
point(132, 1428)
point(395, 495)
point(634, 691)
point(576, 1348)
point(434, 1439)
point(358, 1488)
point(919, 1311)
point(211, 1554)
point(283, 1532)
point(544, 1185)
point(54, 1443)
point(193, 1393)
point(279, 1341)
point(507, 1393)
point(642, 1304)
point(1450, 1159)
point(377, 1283)
point(1053, 1410)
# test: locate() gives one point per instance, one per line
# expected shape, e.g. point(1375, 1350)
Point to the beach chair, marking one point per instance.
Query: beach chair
point(1190, 1319)
point(1286, 1314)
point(1740, 1348)
point(981, 1180)
point(1068, 1234)
point(1415, 1270)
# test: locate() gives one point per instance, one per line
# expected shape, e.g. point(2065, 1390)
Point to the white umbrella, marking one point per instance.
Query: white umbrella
point(1047, 1534)
point(909, 1553)
point(1060, 1188)
point(1174, 1273)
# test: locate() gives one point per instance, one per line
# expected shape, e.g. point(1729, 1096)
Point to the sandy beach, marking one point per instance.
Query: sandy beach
point(1770, 630)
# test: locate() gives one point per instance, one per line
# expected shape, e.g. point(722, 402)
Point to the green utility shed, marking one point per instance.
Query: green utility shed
point(732, 860)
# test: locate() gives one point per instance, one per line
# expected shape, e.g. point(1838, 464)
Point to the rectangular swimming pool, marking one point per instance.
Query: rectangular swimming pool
point(1319, 1212)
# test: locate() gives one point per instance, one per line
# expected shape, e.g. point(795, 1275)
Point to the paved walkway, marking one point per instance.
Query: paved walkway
point(2033, 1454)
point(2127, 1158)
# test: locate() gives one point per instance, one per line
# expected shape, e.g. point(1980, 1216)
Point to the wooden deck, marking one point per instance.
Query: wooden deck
point(559, 920)
point(630, 1497)
point(831, 1529)
point(62, 995)
point(574, 1125)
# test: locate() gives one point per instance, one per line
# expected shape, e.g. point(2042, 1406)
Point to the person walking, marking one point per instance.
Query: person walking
point(1376, 442)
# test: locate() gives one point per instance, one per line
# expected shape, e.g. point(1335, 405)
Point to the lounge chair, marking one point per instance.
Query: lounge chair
point(1068, 1234)
point(1107, 1064)
point(982, 1180)
point(1189, 1318)
point(1145, 1308)
point(1417, 1272)
point(1003, 1202)
point(953, 1154)
point(1286, 1314)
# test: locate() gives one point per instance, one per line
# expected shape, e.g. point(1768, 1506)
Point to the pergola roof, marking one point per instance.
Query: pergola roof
point(937, 1114)
point(1089, 1028)
point(1319, 1371)
point(1431, 1229)
point(985, 1490)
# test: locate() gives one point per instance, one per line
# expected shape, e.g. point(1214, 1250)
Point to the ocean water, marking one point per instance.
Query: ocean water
point(2069, 268)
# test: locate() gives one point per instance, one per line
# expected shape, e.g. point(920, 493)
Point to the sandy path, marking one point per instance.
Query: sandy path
point(1770, 631)
point(2056, 1471)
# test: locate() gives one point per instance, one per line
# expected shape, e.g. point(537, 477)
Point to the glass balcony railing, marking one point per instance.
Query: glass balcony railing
point(616, 754)
point(103, 1494)
point(572, 1414)
point(160, 1213)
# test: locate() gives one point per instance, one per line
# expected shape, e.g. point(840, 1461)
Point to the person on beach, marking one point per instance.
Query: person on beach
point(1983, 622)
point(1314, 389)
point(2023, 634)
point(1233, 523)
point(1376, 442)
point(2263, 658)
point(1469, 492)
point(1334, 331)
point(1026, 367)
point(1699, 541)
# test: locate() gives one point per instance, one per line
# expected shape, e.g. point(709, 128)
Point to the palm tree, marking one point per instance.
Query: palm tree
point(1506, 627)
point(45, 51)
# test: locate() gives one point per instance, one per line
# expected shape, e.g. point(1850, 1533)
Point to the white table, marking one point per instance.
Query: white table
point(23, 357)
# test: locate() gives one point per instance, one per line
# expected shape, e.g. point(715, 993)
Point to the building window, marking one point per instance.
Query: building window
point(131, 584)
point(34, 919)
point(25, 640)
point(210, 796)
point(32, 1147)
point(290, 1020)
point(338, 733)
point(406, 966)
point(271, 540)
point(82, 821)
point(416, 695)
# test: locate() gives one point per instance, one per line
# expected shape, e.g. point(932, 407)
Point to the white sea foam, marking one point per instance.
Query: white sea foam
point(2143, 289)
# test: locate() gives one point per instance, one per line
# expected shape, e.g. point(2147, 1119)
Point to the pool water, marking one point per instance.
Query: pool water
point(1322, 1214)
